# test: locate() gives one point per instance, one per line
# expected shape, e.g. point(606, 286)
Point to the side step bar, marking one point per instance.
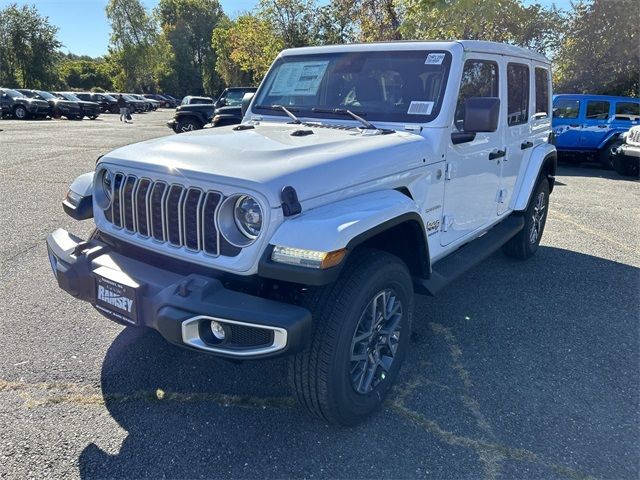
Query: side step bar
point(468, 256)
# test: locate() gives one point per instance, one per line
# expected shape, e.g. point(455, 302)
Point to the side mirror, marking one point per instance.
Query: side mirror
point(221, 102)
point(246, 101)
point(481, 114)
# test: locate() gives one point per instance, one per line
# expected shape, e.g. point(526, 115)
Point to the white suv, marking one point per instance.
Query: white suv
point(626, 160)
point(361, 174)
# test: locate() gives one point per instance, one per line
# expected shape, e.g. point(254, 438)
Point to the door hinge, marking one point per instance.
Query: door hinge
point(447, 221)
point(502, 194)
point(447, 171)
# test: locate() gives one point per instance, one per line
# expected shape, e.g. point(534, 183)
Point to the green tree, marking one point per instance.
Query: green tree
point(188, 27)
point(292, 20)
point(245, 47)
point(84, 73)
point(601, 49)
point(28, 48)
point(508, 21)
point(133, 51)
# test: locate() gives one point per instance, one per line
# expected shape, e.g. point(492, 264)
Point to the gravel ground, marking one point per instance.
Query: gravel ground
point(518, 370)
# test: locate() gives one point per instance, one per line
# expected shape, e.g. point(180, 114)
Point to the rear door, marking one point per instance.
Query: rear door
point(597, 123)
point(518, 127)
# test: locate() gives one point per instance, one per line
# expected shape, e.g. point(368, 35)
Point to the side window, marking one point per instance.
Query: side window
point(566, 109)
point(479, 79)
point(630, 109)
point(518, 94)
point(597, 110)
point(542, 91)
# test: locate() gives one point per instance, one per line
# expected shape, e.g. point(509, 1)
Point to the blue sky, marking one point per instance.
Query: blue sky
point(84, 29)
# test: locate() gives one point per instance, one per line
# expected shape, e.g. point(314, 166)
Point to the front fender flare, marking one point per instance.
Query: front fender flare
point(342, 224)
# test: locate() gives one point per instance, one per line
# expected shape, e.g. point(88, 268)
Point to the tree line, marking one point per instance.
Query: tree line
point(193, 47)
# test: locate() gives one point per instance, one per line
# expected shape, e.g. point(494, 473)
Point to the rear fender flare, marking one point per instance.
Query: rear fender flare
point(543, 161)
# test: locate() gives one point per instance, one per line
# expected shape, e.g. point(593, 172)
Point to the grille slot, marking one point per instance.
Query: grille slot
point(173, 212)
point(169, 213)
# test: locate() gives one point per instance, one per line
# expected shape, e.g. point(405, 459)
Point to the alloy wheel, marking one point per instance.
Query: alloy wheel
point(375, 341)
point(539, 211)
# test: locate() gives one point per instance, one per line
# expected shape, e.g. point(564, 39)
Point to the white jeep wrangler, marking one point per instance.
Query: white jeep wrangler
point(361, 174)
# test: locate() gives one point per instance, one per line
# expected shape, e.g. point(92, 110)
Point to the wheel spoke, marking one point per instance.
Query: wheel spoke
point(385, 362)
point(367, 378)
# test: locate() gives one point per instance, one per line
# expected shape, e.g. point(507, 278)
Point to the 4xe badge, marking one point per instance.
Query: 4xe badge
point(116, 300)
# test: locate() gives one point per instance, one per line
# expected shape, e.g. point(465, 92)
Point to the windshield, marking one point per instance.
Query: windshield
point(13, 93)
point(399, 86)
point(45, 95)
point(70, 96)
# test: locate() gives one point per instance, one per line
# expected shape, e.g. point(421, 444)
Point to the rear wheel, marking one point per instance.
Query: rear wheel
point(361, 329)
point(525, 244)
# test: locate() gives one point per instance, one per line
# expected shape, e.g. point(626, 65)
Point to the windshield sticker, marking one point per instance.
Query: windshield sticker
point(420, 108)
point(434, 59)
point(298, 78)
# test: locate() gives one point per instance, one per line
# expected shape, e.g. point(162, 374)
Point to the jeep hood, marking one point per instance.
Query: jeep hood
point(268, 157)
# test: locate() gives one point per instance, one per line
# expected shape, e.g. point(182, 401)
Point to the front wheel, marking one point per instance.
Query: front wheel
point(607, 154)
point(525, 244)
point(188, 125)
point(20, 112)
point(361, 330)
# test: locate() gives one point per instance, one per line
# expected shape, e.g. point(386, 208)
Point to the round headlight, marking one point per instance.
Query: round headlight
point(104, 189)
point(248, 216)
point(240, 220)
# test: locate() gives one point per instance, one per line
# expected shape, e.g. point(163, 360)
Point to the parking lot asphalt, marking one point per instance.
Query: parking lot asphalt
point(518, 370)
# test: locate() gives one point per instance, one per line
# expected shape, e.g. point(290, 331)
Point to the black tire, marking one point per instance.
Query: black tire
point(20, 112)
point(627, 166)
point(607, 153)
point(324, 377)
point(188, 125)
point(525, 244)
point(93, 117)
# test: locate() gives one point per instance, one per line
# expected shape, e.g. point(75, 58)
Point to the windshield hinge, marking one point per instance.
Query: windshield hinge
point(413, 128)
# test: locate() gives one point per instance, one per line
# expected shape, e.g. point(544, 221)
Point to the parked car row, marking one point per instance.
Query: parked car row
point(196, 112)
point(24, 103)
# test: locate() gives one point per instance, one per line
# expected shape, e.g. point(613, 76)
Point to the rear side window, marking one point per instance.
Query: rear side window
point(479, 79)
point(597, 110)
point(628, 108)
point(518, 94)
point(542, 91)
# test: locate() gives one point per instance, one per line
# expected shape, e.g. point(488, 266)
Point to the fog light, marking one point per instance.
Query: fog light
point(218, 330)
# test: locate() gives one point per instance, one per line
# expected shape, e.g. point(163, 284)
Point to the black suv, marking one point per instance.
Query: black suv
point(13, 102)
point(90, 110)
point(58, 106)
point(107, 102)
point(226, 110)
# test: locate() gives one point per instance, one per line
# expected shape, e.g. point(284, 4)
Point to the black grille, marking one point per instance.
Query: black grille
point(243, 336)
point(183, 217)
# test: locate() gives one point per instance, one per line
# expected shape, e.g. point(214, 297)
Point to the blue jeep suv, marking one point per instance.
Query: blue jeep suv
point(588, 127)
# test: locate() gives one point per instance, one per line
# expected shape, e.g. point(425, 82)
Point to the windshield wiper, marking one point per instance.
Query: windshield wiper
point(295, 119)
point(343, 111)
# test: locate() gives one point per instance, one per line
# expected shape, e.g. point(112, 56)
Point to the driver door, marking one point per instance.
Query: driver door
point(473, 167)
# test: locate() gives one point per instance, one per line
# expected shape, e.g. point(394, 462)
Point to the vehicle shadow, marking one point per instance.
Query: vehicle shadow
point(592, 170)
point(189, 415)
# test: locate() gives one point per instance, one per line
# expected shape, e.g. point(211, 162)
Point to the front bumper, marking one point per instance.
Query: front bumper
point(627, 150)
point(180, 307)
point(173, 125)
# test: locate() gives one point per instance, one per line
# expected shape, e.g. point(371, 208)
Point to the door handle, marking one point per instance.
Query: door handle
point(574, 125)
point(525, 145)
point(603, 126)
point(497, 154)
